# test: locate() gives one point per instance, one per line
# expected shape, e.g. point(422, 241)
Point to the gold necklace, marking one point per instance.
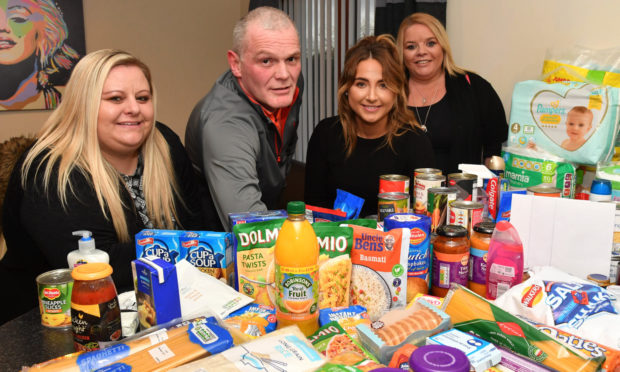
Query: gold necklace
point(429, 107)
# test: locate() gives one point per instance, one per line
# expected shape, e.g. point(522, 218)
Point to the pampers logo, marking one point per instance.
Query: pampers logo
point(550, 114)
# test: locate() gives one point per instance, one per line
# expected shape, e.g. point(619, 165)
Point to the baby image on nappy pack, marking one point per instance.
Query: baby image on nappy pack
point(576, 121)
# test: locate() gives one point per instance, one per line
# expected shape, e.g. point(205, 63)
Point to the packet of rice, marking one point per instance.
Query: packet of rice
point(379, 276)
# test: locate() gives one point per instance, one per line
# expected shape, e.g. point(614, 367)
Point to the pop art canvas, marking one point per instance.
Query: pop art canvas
point(40, 43)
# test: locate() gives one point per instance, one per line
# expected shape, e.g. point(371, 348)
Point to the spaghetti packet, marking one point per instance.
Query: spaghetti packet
point(472, 313)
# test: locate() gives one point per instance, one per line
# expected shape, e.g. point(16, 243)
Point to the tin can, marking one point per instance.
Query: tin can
point(544, 190)
point(419, 249)
point(438, 205)
point(423, 182)
point(419, 171)
point(614, 270)
point(391, 202)
point(466, 213)
point(393, 183)
point(465, 181)
point(54, 289)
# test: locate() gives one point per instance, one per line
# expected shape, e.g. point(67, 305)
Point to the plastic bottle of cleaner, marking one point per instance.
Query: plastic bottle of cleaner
point(505, 260)
point(297, 271)
point(86, 252)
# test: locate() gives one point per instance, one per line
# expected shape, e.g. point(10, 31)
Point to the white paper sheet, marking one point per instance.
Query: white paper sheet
point(575, 236)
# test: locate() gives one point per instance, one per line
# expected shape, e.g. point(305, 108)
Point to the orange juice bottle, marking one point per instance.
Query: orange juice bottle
point(297, 271)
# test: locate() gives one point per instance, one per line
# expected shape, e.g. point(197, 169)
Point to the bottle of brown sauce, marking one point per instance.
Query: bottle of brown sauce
point(450, 259)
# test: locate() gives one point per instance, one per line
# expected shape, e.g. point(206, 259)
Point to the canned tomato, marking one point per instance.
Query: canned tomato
point(438, 205)
point(418, 171)
point(54, 289)
point(392, 202)
point(544, 190)
point(465, 181)
point(466, 213)
point(423, 182)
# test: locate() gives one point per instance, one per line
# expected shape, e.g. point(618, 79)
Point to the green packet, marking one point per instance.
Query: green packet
point(332, 340)
point(366, 222)
point(331, 367)
point(525, 171)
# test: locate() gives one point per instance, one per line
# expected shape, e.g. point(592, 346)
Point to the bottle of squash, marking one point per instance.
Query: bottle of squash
point(297, 271)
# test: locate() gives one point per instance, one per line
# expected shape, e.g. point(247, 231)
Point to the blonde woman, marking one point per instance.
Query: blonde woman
point(100, 163)
point(463, 114)
point(374, 133)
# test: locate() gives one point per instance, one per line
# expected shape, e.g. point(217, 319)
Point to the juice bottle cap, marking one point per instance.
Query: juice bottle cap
point(296, 207)
point(92, 271)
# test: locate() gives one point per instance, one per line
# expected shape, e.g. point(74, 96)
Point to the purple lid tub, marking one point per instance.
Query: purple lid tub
point(438, 358)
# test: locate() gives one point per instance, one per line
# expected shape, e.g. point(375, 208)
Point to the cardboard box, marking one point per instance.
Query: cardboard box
point(160, 243)
point(157, 291)
point(210, 252)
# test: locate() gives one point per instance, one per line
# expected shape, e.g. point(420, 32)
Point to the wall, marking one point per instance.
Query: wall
point(184, 43)
point(506, 41)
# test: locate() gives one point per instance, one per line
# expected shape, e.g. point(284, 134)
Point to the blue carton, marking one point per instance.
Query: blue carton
point(160, 243)
point(210, 252)
point(157, 291)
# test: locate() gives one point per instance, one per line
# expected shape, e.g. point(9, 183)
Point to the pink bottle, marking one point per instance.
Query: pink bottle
point(505, 260)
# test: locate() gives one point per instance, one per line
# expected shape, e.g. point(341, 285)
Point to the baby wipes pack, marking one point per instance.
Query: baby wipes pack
point(525, 168)
point(575, 121)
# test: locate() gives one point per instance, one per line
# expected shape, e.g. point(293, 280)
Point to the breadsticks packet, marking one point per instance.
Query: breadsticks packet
point(411, 325)
point(472, 313)
point(254, 259)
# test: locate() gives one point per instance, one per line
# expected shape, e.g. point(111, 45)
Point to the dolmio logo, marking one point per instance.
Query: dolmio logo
point(51, 293)
point(532, 295)
point(417, 236)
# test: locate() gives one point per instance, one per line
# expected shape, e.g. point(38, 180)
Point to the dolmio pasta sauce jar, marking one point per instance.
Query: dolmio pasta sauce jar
point(95, 311)
point(450, 259)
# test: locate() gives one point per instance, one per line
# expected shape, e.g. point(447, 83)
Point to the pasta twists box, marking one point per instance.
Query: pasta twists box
point(575, 121)
point(254, 259)
point(334, 264)
point(472, 313)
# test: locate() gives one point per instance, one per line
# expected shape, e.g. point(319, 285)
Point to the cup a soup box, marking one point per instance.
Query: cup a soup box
point(164, 244)
point(157, 291)
point(210, 252)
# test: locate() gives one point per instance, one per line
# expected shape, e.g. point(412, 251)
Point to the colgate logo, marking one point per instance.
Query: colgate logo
point(51, 293)
point(417, 236)
point(145, 241)
point(532, 296)
point(492, 190)
point(190, 243)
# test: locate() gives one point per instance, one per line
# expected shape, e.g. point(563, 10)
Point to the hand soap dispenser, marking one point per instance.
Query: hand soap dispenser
point(86, 252)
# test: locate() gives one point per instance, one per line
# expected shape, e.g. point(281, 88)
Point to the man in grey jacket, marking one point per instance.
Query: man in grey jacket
point(241, 136)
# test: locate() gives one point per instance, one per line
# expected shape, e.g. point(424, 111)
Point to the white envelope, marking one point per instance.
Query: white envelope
point(575, 236)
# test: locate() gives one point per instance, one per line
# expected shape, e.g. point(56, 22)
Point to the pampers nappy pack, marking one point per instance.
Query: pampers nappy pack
point(575, 121)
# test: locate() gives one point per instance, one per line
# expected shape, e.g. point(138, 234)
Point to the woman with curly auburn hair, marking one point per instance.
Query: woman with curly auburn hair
point(33, 51)
point(463, 114)
point(100, 163)
point(374, 133)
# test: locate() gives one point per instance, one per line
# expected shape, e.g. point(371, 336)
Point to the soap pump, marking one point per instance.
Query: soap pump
point(86, 252)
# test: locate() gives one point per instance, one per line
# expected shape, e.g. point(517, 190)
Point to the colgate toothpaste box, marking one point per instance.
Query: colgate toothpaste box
point(164, 244)
point(210, 252)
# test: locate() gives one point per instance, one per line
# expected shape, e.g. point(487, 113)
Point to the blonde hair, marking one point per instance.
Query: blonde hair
point(382, 49)
point(68, 143)
point(440, 33)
